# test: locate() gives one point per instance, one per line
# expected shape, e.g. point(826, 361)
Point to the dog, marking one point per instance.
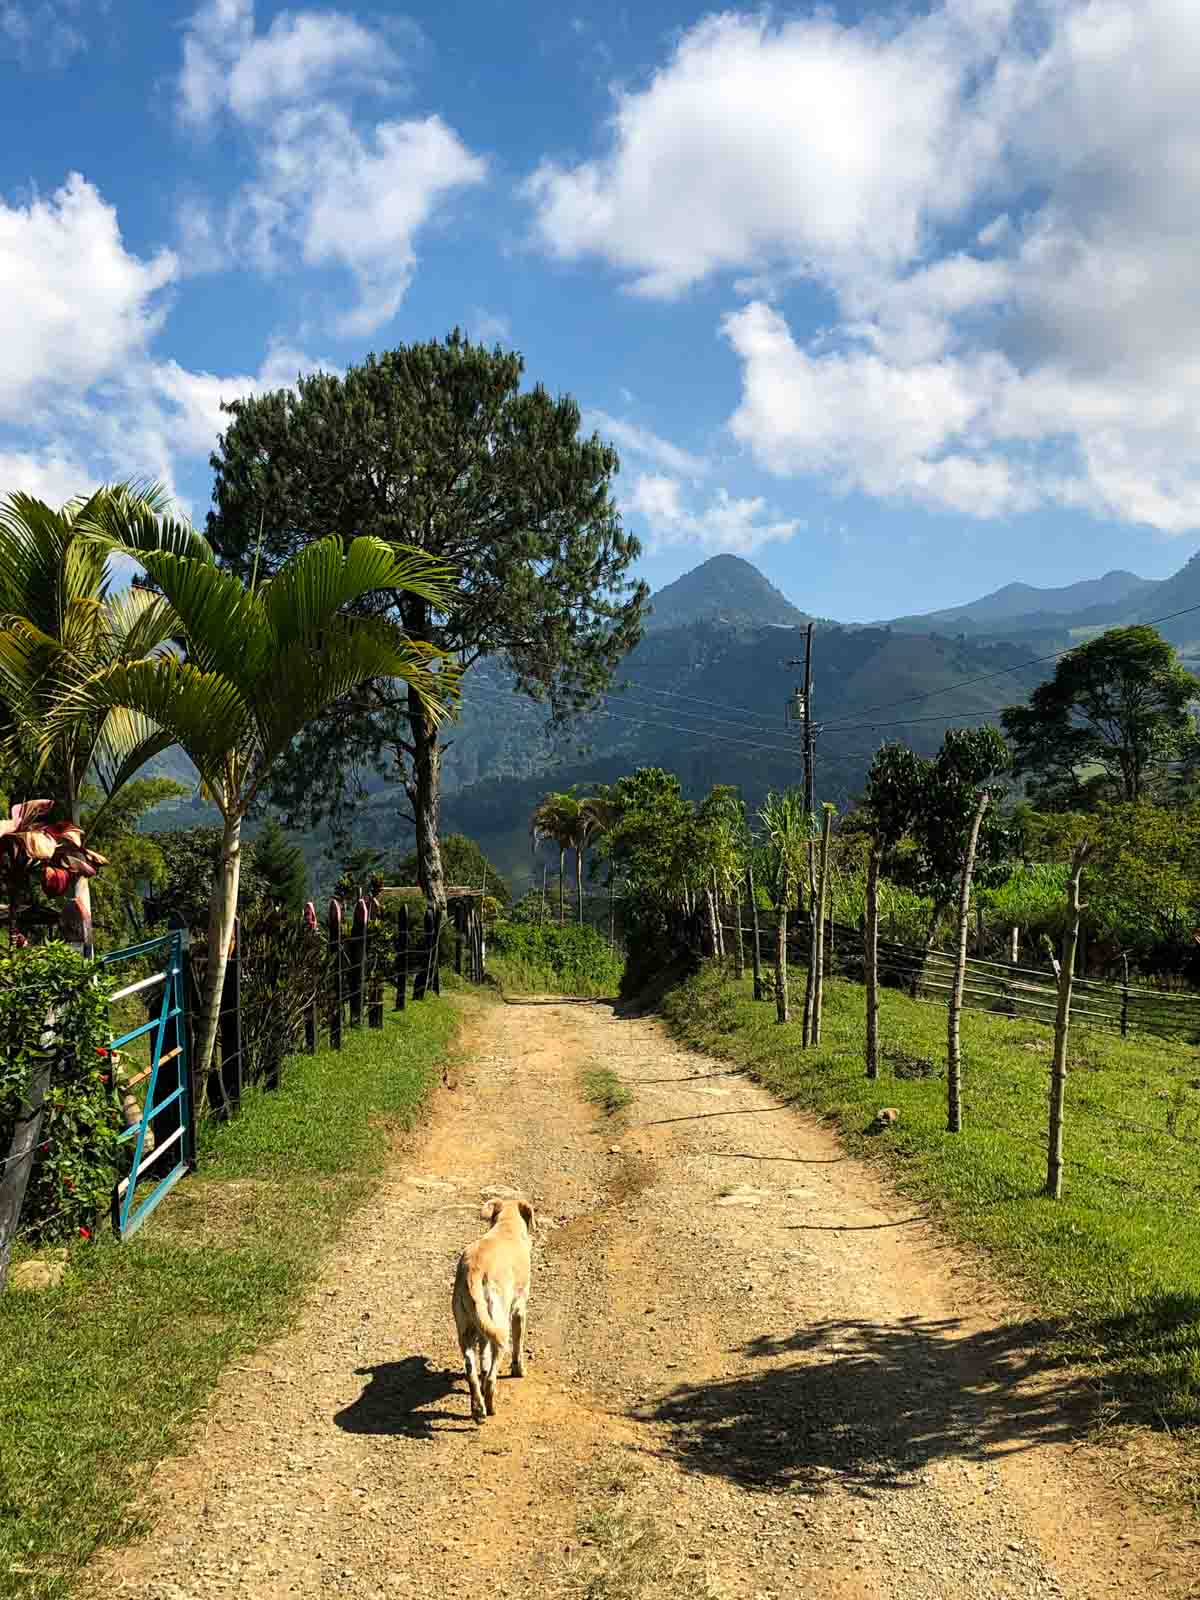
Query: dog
point(491, 1296)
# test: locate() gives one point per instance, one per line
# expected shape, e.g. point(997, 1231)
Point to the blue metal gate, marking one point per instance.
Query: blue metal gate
point(167, 1125)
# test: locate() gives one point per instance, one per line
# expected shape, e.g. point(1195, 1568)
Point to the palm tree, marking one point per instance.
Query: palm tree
point(59, 615)
point(261, 663)
point(598, 812)
point(556, 817)
point(788, 830)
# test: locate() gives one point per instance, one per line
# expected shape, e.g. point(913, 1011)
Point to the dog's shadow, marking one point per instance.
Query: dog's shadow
point(402, 1398)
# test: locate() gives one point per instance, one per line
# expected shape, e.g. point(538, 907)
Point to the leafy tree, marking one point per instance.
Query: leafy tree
point(282, 867)
point(893, 797)
point(465, 864)
point(436, 445)
point(190, 858)
point(261, 663)
point(1118, 704)
point(60, 620)
point(362, 869)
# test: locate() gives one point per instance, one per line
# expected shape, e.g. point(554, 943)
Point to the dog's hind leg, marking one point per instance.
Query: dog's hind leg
point(471, 1363)
point(519, 1313)
point(490, 1366)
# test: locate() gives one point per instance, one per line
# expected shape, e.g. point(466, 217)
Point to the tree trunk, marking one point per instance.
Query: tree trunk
point(781, 973)
point(1015, 946)
point(716, 892)
point(739, 948)
point(22, 1149)
point(562, 886)
point(1062, 1024)
point(221, 913)
point(424, 789)
point(953, 1050)
point(871, 961)
point(822, 900)
point(579, 880)
point(713, 936)
point(756, 952)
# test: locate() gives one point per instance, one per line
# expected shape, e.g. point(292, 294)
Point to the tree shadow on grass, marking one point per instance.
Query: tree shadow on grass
point(402, 1398)
point(869, 1405)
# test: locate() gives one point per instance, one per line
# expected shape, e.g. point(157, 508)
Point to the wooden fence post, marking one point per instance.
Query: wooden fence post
point(1124, 995)
point(231, 1076)
point(421, 966)
point(358, 962)
point(822, 901)
point(436, 953)
point(401, 958)
point(953, 1037)
point(22, 1149)
point(309, 918)
point(335, 974)
point(757, 948)
point(1062, 1023)
point(459, 930)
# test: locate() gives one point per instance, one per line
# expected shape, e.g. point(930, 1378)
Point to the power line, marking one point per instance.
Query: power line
point(1004, 672)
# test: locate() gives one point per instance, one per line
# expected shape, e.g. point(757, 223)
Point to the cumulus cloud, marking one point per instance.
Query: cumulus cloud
point(1001, 197)
point(83, 398)
point(738, 526)
point(74, 302)
point(327, 191)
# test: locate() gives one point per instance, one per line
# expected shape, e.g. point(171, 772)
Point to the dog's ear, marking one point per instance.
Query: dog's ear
point(526, 1211)
point(489, 1210)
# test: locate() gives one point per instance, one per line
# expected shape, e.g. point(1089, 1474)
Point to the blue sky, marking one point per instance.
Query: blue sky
point(899, 302)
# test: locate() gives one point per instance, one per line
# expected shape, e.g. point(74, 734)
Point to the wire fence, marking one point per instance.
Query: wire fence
point(1003, 988)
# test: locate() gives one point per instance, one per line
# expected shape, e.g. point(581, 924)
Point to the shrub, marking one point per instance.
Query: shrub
point(79, 1156)
point(568, 960)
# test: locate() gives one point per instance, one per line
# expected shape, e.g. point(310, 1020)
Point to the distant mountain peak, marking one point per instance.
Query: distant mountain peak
point(725, 588)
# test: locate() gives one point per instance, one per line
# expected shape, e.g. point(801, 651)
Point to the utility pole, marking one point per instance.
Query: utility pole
point(810, 804)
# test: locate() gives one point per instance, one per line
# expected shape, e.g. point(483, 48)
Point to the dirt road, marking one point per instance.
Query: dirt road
point(755, 1374)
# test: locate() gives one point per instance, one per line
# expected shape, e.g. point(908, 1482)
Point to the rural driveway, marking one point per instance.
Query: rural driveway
point(755, 1373)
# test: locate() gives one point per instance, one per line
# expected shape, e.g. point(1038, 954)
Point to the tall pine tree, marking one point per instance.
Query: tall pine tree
point(438, 446)
point(281, 867)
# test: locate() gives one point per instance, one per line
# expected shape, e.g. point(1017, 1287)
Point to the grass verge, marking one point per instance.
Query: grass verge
point(603, 1089)
point(1114, 1264)
point(99, 1377)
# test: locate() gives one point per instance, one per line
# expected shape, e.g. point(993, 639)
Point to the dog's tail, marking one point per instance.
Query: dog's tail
point(477, 1290)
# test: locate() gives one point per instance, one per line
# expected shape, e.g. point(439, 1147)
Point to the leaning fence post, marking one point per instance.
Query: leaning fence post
point(375, 970)
point(757, 951)
point(421, 974)
point(1062, 1022)
point(401, 957)
point(335, 975)
point(230, 1078)
point(1124, 995)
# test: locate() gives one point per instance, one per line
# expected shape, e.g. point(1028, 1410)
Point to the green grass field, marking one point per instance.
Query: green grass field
point(1115, 1264)
point(547, 959)
point(99, 1377)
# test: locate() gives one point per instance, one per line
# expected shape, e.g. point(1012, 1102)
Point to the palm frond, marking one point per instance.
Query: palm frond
point(324, 577)
point(224, 624)
point(132, 517)
point(202, 711)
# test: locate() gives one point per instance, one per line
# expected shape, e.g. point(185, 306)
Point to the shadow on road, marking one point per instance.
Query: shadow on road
point(869, 1404)
point(399, 1397)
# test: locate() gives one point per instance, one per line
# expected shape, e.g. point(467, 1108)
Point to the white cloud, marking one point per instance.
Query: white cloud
point(74, 302)
point(724, 524)
point(50, 474)
point(227, 65)
point(83, 397)
point(804, 142)
point(41, 33)
point(326, 191)
point(650, 446)
point(490, 327)
point(1002, 198)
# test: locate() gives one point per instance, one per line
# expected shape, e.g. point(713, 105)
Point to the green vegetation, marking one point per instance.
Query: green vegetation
point(603, 1089)
point(99, 1378)
point(1115, 1262)
point(526, 958)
